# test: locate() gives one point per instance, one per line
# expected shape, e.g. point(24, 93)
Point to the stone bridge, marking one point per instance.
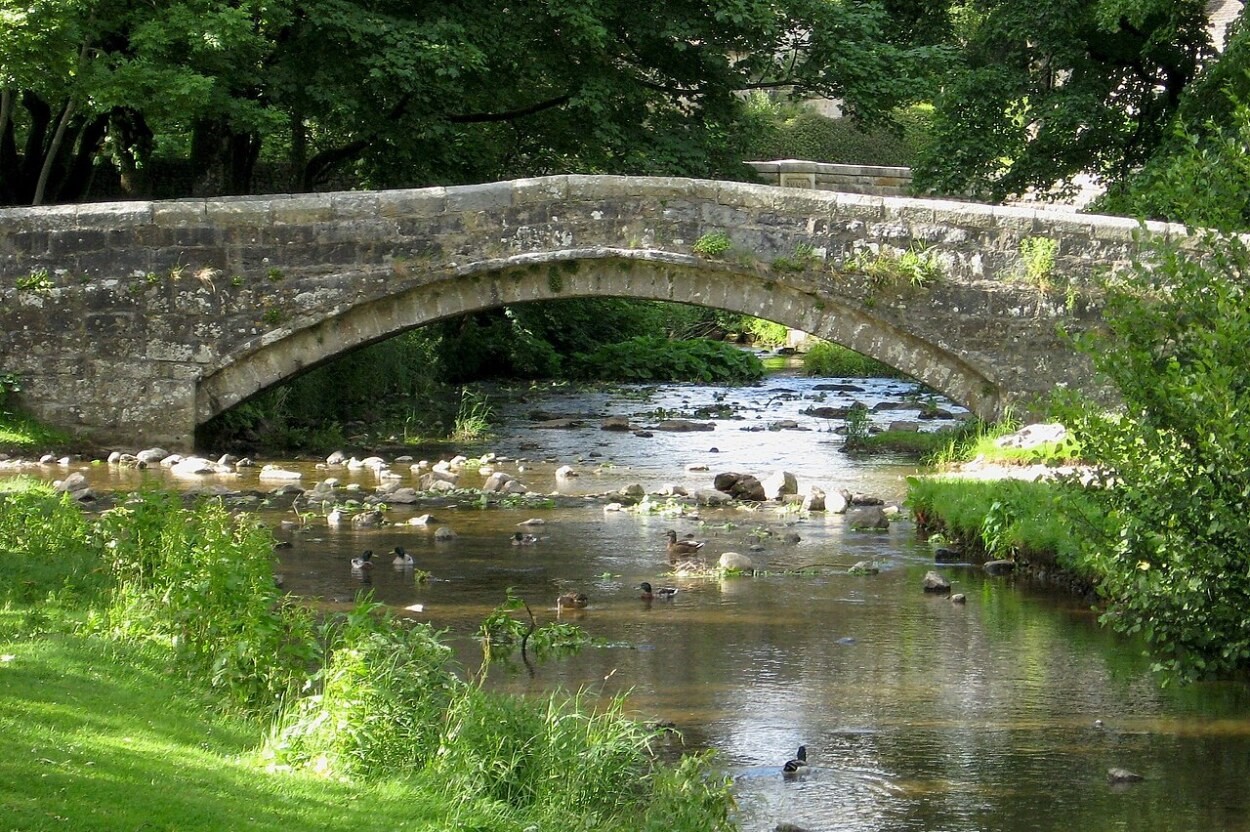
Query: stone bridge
point(134, 322)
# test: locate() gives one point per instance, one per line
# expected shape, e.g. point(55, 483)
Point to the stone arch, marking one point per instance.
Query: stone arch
point(559, 275)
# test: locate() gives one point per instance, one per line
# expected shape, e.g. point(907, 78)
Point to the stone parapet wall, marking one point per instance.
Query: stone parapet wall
point(877, 180)
point(135, 322)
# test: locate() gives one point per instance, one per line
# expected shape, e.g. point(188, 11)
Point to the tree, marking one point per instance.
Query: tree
point(1046, 91)
point(1200, 174)
point(390, 92)
point(1173, 470)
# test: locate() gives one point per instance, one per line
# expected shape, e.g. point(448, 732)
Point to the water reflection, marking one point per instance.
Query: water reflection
point(917, 714)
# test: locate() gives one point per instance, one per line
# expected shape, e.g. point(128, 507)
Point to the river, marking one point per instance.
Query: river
point(1004, 713)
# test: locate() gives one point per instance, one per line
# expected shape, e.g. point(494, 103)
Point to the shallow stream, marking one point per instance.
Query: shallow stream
point(917, 713)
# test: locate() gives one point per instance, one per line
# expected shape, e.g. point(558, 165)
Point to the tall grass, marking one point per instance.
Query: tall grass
point(201, 582)
point(472, 418)
point(1044, 521)
point(47, 549)
point(835, 361)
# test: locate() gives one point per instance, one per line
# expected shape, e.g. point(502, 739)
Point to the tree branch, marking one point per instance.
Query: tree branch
point(511, 115)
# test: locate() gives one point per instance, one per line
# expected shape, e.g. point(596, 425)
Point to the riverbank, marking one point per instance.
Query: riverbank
point(151, 646)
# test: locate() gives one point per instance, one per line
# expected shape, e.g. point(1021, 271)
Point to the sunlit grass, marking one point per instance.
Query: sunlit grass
point(93, 737)
point(22, 433)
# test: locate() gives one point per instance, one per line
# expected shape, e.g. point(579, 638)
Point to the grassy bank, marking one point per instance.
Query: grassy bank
point(1034, 522)
point(153, 676)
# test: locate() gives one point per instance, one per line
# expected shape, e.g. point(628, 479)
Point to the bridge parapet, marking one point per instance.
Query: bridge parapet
point(135, 322)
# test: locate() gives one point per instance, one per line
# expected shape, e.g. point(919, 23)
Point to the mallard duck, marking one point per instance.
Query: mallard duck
point(402, 558)
point(679, 548)
point(572, 600)
point(791, 767)
point(664, 593)
point(520, 539)
point(365, 561)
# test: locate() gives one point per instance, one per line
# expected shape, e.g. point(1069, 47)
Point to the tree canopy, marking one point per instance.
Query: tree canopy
point(1045, 91)
point(390, 93)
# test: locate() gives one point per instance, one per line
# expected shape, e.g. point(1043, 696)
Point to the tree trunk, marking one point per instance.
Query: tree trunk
point(8, 149)
point(53, 149)
point(81, 168)
point(299, 152)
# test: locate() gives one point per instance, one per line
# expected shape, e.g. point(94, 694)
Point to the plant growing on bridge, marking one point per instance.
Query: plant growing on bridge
point(38, 281)
point(1037, 260)
point(914, 266)
point(804, 257)
point(712, 245)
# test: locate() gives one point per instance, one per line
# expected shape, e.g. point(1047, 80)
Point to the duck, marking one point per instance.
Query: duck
point(572, 600)
point(664, 593)
point(520, 539)
point(402, 558)
point(791, 767)
point(678, 548)
point(365, 561)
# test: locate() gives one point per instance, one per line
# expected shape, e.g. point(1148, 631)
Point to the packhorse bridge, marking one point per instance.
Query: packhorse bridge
point(134, 322)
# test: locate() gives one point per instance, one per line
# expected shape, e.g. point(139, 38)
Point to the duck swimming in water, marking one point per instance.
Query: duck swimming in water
point(365, 561)
point(664, 593)
point(681, 548)
point(520, 539)
point(572, 600)
point(791, 767)
point(402, 559)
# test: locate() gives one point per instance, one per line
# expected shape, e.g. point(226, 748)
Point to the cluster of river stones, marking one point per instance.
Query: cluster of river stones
point(437, 483)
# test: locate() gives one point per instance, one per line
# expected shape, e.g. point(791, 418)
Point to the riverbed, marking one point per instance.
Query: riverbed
point(1004, 713)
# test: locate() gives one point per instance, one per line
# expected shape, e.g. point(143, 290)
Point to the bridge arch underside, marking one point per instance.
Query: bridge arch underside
point(256, 366)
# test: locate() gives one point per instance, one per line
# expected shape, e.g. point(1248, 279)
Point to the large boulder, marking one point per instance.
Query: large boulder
point(779, 484)
point(152, 455)
point(740, 486)
point(496, 481)
point(684, 425)
point(735, 560)
point(1030, 436)
point(815, 499)
point(867, 517)
point(935, 583)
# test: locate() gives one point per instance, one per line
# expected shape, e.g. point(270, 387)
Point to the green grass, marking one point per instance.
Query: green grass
point(98, 737)
point(835, 361)
point(979, 440)
point(19, 432)
point(1038, 521)
point(911, 442)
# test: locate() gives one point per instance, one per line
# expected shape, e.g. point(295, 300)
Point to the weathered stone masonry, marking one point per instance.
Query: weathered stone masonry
point(135, 322)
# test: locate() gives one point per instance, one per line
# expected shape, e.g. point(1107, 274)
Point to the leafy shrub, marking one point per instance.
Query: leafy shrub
point(792, 131)
point(713, 244)
point(1173, 466)
point(659, 359)
point(46, 547)
point(201, 582)
point(384, 688)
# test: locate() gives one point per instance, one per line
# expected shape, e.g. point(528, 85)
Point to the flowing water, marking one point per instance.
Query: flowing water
point(918, 714)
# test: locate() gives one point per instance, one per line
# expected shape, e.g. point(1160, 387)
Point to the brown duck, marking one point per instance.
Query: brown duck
point(681, 548)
